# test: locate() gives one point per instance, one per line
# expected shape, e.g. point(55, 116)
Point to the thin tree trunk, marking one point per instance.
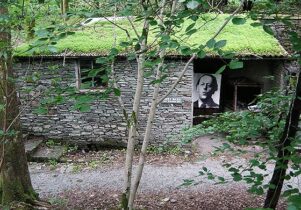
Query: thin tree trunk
point(30, 24)
point(284, 153)
point(134, 120)
point(156, 101)
point(15, 183)
point(64, 8)
point(151, 115)
point(147, 134)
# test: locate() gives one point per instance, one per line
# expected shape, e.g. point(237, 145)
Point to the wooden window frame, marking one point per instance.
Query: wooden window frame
point(100, 88)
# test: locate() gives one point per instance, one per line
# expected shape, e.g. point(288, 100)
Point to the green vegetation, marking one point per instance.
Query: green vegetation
point(248, 127)
point(57, 201)
point(99, 39)
point(77, 168)
point(52, 143)
point(165, 150)
point(262, 129)
point(53, 164)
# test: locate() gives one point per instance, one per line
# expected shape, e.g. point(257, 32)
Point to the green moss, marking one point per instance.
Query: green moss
point(242, 39)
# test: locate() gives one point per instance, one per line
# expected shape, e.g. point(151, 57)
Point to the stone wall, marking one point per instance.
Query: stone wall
point(281, 31)
point(104, 124)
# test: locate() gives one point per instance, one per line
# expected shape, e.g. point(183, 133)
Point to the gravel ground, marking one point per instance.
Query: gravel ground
point(160, 188)
point(99, 187)
point(159, 177)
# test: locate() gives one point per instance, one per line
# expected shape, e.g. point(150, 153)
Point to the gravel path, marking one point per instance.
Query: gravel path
point(154, 177)
point(97, 186)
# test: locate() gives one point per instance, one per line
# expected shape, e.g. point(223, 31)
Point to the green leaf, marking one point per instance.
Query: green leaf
point(222, 179)
point(101, 60)
point(84, 108)
point(70, 33)
point(52, 49)
point(268, 30)
point(153, 22)
point(42, 33)
point(294, 202)
point(83, 99)
point(137, 47)
point(237, 177)
point(114, 51)
point(290, 192)
point(292, 207)
point(125, 44)
point(256, 190)
point(187, 182)
point(41, 110)
point(256, 24)
point(2, 107)
point(194, 17)
point(173, 44)
point(201, 173)
point(254, 162)
point(220, 44)
point(159, 80)
point(201, 54)
point(238, 20)
point(117, 92)
point(210, 43)
point(190, 27)
point(236, 64)
point(221, 69)
point(191, 32)
point(185, 50)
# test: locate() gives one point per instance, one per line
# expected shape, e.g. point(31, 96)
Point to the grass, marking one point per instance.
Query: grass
point(165, 149)
point(243, 39)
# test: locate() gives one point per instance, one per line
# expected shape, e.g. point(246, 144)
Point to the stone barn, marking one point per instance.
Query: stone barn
point(102, 123)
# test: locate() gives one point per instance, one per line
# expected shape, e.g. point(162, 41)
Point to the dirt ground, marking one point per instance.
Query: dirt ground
point(233, 198)
point(90, 180)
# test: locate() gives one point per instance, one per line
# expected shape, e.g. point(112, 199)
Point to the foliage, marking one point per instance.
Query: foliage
point(262, 128)
point(77, 168)
point(57, 201)
point(184, 33)
point(71, 148)
point(260, 6)
point(52, 143)
point(53, 164)
point(245, 126)
point(282, 7)
point(101, 37)
point(165, 149)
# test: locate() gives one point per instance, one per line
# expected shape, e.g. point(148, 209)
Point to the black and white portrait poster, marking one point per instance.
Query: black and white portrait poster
point(206, 90)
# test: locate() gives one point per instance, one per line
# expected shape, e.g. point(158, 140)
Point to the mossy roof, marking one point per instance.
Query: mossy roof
point(248, 39)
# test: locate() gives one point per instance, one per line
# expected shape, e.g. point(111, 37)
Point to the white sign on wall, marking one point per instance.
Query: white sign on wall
point(172, 100)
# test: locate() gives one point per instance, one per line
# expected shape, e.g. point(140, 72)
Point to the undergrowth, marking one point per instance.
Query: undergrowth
point(245, 127)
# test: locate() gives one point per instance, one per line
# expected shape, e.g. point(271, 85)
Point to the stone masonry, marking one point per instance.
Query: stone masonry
point(104, 123)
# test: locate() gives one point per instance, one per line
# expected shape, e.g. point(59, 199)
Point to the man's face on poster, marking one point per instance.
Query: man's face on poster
point(206, 87)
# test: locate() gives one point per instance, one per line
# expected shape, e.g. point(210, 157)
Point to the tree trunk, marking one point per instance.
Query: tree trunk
point(284, 153)
point(147, 134)
point(15, 183)
point(152, 112)
point(134, 120)
point(30, 24)
point(64, 8)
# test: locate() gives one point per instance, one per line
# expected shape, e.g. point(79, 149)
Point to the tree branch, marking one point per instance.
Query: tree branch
point(178, 80)
point(133, 26)
point(194, 55)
